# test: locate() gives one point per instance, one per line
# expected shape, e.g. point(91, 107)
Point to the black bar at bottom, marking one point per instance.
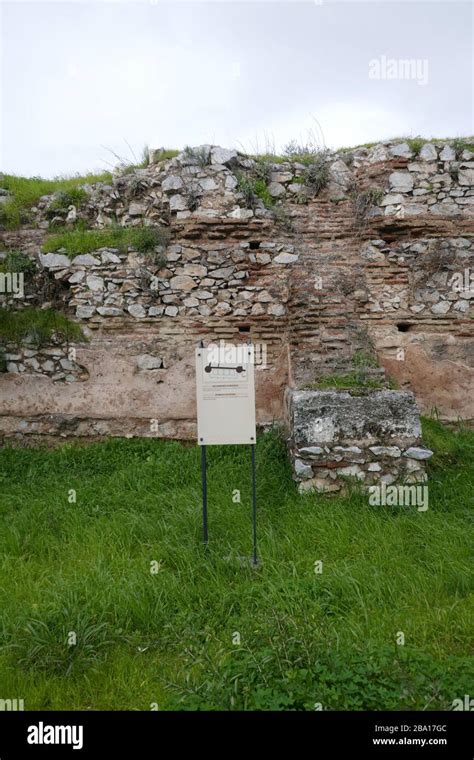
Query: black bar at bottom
point(416, 735)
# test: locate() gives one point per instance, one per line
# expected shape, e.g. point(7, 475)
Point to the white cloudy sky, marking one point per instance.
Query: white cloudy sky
point(79, 78)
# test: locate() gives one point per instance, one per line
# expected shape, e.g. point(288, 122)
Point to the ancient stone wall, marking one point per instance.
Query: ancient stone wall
point(339, 436)
point(380, 258)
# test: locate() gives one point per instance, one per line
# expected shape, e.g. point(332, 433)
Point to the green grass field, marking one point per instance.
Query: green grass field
point(169, 639)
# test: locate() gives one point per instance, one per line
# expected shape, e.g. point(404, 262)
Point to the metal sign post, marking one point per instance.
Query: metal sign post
point(205, 535)
point(254, 506)
point(225, 390)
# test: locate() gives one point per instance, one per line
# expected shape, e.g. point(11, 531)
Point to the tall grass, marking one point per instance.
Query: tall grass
point(74, 242)
point(26, 192)
point(37, 326)
point(205, 630)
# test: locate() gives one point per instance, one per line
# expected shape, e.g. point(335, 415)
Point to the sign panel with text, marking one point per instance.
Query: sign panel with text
point(225, 385)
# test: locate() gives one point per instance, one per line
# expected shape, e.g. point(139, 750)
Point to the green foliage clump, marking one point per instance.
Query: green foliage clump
point(262, 170)
point(268, 158)
point(261, 191)
point(363, 360)
point(146, 239)
point(356, 380)
point(167, 153)
point(17, 261)
point(37, 326)
point(128, 165)
point(77, 241)
point(316, 176)
point(459, 145)
point(374, 196)
point(145, 158)
point(283, 217)
point(364, 200)
point(62, 199)
point(26, 192)
point(360, 374)
point(253, 187)
point(246, 186)
point(200, 155)
point(454, 445)
point(306, 153)
point(43, 645)
point(415, 144)
point(283, 671)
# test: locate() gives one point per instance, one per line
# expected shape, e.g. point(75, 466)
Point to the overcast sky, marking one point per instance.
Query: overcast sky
point(79, 78)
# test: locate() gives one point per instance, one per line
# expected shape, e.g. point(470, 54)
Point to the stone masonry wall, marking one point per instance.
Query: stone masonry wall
point(336, 437)
point(196, 281)
point(382, 256)
point(54, 362)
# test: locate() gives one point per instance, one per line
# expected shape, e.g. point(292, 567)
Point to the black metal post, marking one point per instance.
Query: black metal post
point(254, 506)
point(204, 495)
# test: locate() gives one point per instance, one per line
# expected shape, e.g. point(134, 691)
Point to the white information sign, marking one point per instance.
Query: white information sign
point(225, 386)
